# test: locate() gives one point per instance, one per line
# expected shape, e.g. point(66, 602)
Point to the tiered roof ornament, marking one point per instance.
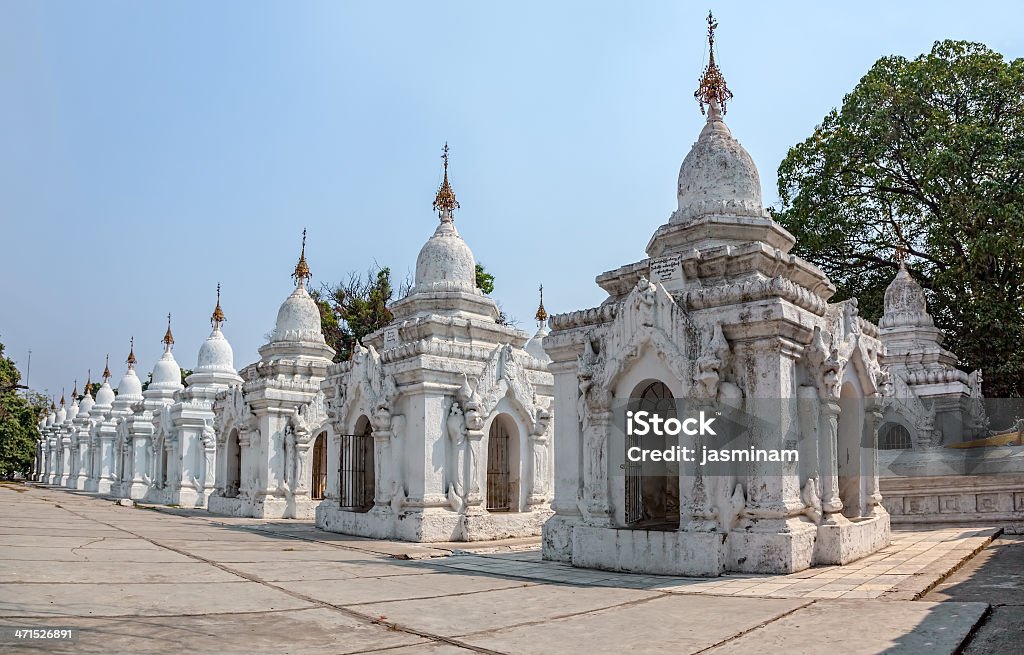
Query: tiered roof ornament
point(131, 355)
point(301, 273)
point(712, 90)
point(445, 203)
point(106, 369)
point(217, 318)
point(542, 314)
point(168, 339)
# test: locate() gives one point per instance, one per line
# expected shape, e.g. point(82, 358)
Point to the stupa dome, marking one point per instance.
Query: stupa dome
point(215, 355)
point(298, 319)
point(718, 175)
point(905, 303)
point(105, 395)
point(445, 262)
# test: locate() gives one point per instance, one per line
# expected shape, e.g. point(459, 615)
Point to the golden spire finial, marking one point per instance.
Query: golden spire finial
point(74, 393)
point(445, 202)
point(902, 255)
point(218, 314)
point(62, 396)
point(711, 89)
point(542, 314)
point(88, 383)
point(53, 405)
point(106, 369)
point(131, 355)
point(301, 273)
point(168, 339)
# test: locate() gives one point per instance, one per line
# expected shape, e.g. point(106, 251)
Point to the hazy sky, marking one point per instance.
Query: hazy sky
point(152, 149)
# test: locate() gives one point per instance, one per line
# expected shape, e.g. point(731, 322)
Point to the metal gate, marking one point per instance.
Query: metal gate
point(655, 398)
point(355, 475)
point(634, 505)
point(499, 496)
point(319, 482)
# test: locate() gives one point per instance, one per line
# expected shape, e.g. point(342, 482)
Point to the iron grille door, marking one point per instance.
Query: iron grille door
point(499, 496)
point(355, 477)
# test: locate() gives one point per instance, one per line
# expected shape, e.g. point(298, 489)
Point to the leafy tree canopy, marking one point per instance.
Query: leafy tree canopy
point(926, 157)
point(19, 415)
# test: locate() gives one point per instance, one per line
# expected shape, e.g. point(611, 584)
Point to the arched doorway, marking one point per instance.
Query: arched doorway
point(503, 465)
point(233, 464)
point(652, 493)
point(356, 486)
point(318, 485)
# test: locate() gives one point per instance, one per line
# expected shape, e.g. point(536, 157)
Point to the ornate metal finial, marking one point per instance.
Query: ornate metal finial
point(74, 392)
point(711, 89)
point(902, 255)
point(168, 337)
point(542, 314)
point(53, 405)
point(106, 369)
point(62, 396)
point(88, 383)
point(218, 315)
point(301, 273)
point(131, 355)
point(445, 202)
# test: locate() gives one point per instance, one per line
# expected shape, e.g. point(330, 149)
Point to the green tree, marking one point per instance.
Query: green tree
point(356, 307)
point(484, 280)
point(926, 157)
point(19, 416)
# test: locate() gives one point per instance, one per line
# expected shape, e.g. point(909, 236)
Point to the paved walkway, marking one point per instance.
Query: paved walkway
point(141, 581)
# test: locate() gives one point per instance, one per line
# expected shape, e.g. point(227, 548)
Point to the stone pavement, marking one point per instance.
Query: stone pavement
point(993, 577)
point(141, 581)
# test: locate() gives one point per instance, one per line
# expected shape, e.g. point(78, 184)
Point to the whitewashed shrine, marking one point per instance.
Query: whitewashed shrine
point(440, 424)
point(265, 425)
point(720, 313)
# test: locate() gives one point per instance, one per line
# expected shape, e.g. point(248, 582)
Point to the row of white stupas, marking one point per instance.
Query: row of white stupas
point(449, 425)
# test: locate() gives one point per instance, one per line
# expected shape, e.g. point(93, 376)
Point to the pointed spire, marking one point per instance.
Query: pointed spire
point(53, 405)
point(902, 255)
point(74, 393)
point(301, 273)
point(542, 314)
point(88, 383)
point(445, 202)
point(218, 314)
point(168, 339)
point(712, 90)
point(131, 355)
point(106, 369)
point(62, 396)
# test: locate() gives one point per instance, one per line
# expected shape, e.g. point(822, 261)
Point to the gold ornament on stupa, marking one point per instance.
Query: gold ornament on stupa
point(711, 89)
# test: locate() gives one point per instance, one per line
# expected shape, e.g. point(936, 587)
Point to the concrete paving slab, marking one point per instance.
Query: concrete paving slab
point(114, 573)
point(664, 624)
point(501, 608)
point(142, 599)
point(893, 627)
point(380, 590)
point(314, 631)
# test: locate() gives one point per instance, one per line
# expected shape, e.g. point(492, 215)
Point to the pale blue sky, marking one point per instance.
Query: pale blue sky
point(152, 149)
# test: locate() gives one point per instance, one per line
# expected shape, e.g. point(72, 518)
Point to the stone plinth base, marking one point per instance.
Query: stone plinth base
point(649, 551)
point(505, 525)
point(849, 540)
point(777, 546)
point(263, 507)
point(981, 499)
point(430, 525)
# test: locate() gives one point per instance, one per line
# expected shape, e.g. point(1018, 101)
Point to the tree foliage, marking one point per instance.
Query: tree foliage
point(484, 280)
point(19, 416)
point(925, 156)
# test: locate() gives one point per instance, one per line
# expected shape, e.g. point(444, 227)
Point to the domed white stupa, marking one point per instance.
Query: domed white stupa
point(105, 394)
point(298, 332)
point(166, 376)
point(215, 365)
point(129, 389)
point(445, 282)
point(85, 406)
